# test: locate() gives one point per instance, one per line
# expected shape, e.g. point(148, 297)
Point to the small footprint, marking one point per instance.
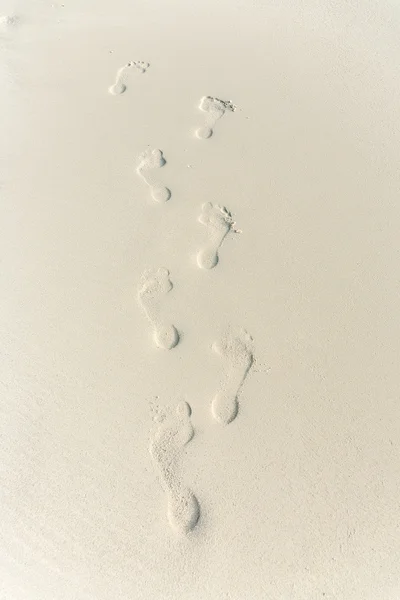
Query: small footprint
point(219, 222)
point(120, 84)
point(7, 22)
point(166, 447)
point(214, 109)
point(155, 285)
point(236, 350)
point(149, 160)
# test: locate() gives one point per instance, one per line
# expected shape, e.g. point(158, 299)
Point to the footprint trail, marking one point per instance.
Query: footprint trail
point(120, 85)
point(214, 109)
point(148, 161)
point(219, 223)
point(237, 353)
point(154, 287)
point(166, 447)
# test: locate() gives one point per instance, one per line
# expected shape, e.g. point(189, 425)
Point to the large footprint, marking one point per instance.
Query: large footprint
point(236, 350)
point(155, 285)
point(120, 84)
point(219, 222)
point(149, 160)
point(214, 109)
point(166, 448)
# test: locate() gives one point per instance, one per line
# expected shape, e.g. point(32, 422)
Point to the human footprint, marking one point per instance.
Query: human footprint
point(149, 160)
point(155, 285)
point(219, 222)
point(214, 109)
point(166, 448)
point(120, 84)
point(236, 350)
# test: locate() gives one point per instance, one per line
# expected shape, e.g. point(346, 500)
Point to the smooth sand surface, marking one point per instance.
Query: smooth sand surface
point(200, 300)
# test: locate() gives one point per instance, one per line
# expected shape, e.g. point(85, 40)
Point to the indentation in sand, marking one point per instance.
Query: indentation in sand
point(214, 109)
point(166, 446)
point(8, 21)
point(121, 79)
point(219, 222)
point(236, 349)
point(148, 161)
point(154, 287)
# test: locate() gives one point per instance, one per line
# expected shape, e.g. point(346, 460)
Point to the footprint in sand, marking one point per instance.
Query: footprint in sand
point(7, 23)
point(154, 286)
point(166, 448)
point(219, 222)
point(214, 109)
point(148, 161)
point(120, 85)
point(237, 352)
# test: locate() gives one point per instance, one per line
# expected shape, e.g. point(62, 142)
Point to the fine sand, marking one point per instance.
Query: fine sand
point(200, 300)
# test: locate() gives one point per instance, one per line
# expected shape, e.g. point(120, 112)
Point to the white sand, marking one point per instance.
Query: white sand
point(258, 457)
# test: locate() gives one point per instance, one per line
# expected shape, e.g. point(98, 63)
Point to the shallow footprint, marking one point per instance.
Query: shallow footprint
point(149, 160)
point(237, 352)
point(214, 109)
point(155, 285)
point(120, 85)
point(219, 222)
point(166, 446)
point(8, 21)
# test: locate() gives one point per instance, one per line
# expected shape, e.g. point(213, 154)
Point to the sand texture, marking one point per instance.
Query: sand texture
point(200, 300)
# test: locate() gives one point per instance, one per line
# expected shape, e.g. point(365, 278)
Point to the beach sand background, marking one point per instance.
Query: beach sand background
point(298, 496)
